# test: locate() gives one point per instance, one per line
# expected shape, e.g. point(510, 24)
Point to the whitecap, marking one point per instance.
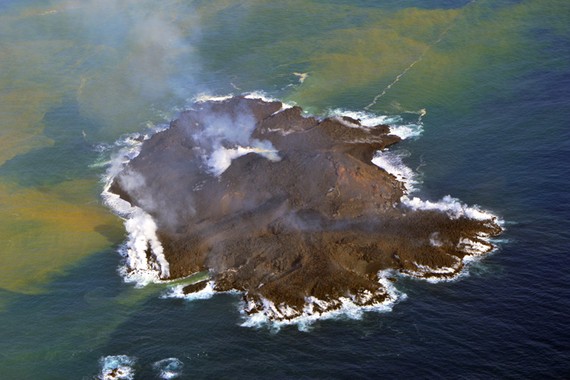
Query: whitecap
point(261, 95)
point(345, 307)
point(177, 291)
point(117, 367)
point(392, 162)
point(205, 97)
point(368, 120)
point(169, 368)
point(140, 227)
point(407, 131)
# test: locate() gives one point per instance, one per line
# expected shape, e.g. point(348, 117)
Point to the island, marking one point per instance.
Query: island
point(287, 208)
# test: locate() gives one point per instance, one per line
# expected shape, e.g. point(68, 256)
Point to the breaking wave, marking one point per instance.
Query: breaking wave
point(177, 292)
point(117, 367)
point(138, 267)
point(261, 95)
point(392, 162)
point(344, 307)
point(121, 367)
point(399, 127)
point(142, 268)
point(169, 368)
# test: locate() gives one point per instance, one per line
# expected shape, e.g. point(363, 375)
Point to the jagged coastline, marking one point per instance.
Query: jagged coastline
point(287, 209)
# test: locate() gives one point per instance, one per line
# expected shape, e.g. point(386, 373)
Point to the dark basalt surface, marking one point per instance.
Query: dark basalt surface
point(320, 222)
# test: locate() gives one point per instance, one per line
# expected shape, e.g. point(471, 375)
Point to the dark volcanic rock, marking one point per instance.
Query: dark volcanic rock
point(315, 219)
point(193, 288)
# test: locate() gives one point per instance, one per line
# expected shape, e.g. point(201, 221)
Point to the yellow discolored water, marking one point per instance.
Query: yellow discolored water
point(45, 230)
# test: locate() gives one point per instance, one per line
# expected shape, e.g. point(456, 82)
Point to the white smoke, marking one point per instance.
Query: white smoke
point(140, 266)
point(138, 53)
point(149, 31)
point(223, 137)
point(450, 206)
point(221, 158)
point(141, 229)
point(219, 128)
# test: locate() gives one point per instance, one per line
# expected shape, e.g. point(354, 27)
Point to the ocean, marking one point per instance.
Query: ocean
point(489, 82)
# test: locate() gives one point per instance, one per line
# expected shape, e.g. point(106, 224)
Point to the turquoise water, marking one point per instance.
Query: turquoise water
point(493, 77)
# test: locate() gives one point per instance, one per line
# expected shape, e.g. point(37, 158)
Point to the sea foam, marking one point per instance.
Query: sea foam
point(393, 163)
point(138, 267)
point(141, 229)
point(169, 368)
point(178, 292)
point(117, 367)
point(344, 307)
point(398, 127)
point(261, 95)
point(205, 97)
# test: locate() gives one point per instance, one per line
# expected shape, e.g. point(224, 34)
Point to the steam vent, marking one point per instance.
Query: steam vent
point(288, 209)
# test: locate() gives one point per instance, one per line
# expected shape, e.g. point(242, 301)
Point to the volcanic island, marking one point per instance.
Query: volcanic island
point(288, 209)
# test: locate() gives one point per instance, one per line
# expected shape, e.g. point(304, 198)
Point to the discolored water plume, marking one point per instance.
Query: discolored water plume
point(289, 209)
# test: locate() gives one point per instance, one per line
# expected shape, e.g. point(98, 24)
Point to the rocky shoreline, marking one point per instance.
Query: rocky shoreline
point(287, 209)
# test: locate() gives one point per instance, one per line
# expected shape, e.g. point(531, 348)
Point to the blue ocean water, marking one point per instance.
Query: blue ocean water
point(496, 133)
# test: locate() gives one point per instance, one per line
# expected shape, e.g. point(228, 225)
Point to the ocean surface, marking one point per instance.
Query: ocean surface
point(77, 77)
